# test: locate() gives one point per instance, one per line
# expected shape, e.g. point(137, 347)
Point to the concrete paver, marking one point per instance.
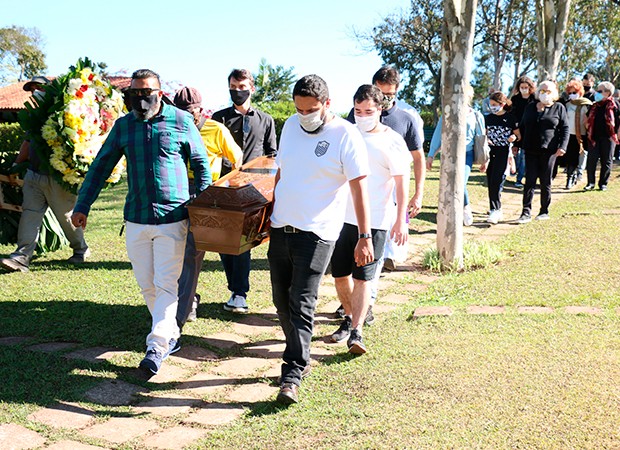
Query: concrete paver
point(225, 341)
point(583, 310)
point(169, 373)
point(52, 347)
point(63, 415)
point(488, 310)
point(167, 405)
point(113, 393)
point(205, 384)
point(423, 311)
point(174, 438)
point(252, 393)
point(193, 356)
point(14, 340)
point(16, 437)
point(266, 349)
point(215, 414)
point(121, 429)
point(397, 299)
point(72, 445)
point(242, 367)
point(534, 310)
point(95, 354)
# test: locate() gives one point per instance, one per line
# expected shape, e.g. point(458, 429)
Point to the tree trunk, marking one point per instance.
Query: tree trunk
point(551, 25)
point(456, 59)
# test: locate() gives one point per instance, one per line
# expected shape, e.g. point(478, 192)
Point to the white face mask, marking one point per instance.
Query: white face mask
point(545, 98)
point(366, 123)
point(311, 122)
point(525, 92)
point(495, 108)
point(573, 96)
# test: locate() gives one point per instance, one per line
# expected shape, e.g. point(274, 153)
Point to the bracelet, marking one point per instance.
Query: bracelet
point(365, 235)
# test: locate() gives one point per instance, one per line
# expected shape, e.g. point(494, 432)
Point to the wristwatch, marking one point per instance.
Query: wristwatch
point(365, 235)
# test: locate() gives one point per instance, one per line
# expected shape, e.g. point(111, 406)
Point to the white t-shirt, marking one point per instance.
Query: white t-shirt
point(388, 157)
point(314, 172)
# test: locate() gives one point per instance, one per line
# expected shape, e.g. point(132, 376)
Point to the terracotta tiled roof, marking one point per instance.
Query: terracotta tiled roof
point(13, 97)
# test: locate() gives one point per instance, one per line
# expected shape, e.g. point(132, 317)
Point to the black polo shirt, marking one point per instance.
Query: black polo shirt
point(254, 132)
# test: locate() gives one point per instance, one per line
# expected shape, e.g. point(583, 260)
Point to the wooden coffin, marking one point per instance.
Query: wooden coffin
point(232, 215)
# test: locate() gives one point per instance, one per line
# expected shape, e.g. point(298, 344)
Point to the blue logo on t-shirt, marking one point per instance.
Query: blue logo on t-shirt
point(321, 148)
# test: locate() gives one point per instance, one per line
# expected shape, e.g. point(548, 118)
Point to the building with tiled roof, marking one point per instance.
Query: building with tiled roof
point(13, 97)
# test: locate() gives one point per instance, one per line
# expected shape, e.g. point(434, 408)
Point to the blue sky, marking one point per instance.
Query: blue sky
point(197, 43)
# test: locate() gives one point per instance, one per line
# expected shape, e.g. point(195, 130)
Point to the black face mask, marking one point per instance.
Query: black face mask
point(239, 97)
point(587, 88)
point(142, 104)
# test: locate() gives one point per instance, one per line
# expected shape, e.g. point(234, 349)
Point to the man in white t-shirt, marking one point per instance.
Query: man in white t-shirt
point(389, 160)
point(322, 161)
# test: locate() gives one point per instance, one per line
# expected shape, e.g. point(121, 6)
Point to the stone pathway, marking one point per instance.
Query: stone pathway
point(202, 390)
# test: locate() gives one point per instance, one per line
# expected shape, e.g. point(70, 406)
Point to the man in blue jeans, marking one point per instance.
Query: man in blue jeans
point(322, 160)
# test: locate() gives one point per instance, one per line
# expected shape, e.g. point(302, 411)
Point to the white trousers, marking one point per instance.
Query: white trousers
point(156, 255)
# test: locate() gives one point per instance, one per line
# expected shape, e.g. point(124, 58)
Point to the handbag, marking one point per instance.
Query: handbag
point(482, 151)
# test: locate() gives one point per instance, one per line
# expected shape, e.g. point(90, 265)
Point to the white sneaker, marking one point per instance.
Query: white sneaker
point(237, 304)
point(468, 216)
point(495, 216)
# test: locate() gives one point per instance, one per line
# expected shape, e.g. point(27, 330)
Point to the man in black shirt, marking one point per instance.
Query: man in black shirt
point(255, 132)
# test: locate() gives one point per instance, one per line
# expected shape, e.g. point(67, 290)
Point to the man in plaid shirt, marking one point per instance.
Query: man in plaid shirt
point(157, 141)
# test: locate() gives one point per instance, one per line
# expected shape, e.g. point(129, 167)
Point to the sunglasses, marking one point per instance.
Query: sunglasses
point(142, 92)
point(600, 91)
point(545, 91)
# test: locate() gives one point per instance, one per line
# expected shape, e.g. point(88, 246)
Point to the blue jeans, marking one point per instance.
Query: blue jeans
point(466, 179)
point(237, 268)
point(297, 262)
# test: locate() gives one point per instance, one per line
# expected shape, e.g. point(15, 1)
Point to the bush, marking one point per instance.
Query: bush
point(11, 137)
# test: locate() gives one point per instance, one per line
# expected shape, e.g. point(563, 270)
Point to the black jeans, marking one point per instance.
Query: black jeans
point(496, 174)
point(297, 261)
point(538, 166)
point(237, 268)
point(603, 149)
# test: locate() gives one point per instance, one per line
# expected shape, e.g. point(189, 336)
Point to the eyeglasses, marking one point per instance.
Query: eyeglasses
point(142, 92)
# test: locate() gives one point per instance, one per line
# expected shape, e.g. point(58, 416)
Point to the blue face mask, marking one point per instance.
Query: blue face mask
point(598, 97)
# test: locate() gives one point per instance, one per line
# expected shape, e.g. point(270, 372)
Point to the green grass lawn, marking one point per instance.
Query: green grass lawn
point(509, 381)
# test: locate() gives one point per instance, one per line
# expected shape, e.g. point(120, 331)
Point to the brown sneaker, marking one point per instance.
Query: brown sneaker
point(288, 394)
point(12, 265)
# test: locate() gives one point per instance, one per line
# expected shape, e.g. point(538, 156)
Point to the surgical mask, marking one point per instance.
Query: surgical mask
point(387, 101)
point(525, 92)
point(598, 96)
point(144, 107)
point(239, 97)
point(366, 123)
point(545, 98)
point(495, 108)
point(574, 96)
point(311, 123)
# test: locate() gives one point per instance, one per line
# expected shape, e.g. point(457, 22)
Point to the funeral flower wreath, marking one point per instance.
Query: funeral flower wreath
point(71, 121)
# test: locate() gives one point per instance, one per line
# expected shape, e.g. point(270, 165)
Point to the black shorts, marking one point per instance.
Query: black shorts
point(343, 262)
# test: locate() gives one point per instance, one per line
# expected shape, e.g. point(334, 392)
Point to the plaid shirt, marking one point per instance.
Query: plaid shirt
point(157, 152)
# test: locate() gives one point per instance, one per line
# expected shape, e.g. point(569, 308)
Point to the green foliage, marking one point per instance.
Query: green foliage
point(476, 255)
point(11, 137)
point(280, 111)
point(21, 56)
point(273, 83)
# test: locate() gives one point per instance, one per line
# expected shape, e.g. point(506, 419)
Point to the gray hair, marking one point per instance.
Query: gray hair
point(606, 86)
point(550, 85)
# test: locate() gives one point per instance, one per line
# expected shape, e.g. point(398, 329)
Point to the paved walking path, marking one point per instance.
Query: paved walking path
point(197, 390)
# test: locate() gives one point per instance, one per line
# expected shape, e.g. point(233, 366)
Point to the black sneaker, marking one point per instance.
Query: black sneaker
point(152, 362)
point(370, 317)
point(344, 331)
point(355, 343)
point(339, 313)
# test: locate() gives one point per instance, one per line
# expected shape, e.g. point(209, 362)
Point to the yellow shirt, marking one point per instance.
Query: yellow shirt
point(219, 143)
